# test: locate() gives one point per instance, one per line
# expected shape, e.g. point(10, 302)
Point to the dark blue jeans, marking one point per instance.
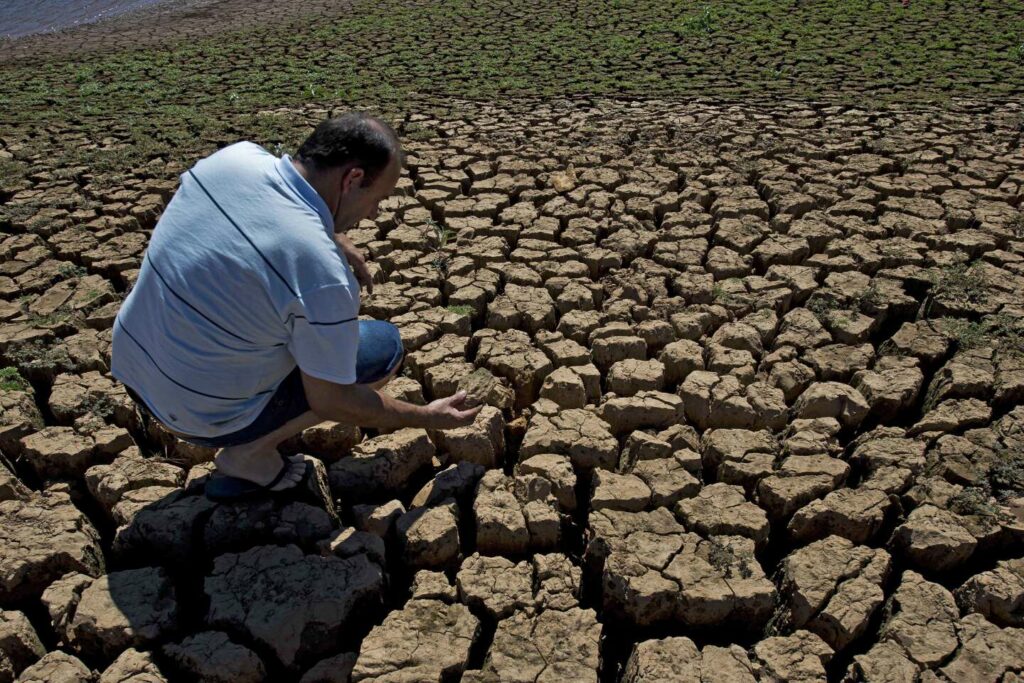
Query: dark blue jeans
point(380, 352)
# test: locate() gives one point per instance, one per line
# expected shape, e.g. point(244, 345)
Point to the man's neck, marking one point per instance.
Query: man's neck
point(316, 180)
point(319, 182)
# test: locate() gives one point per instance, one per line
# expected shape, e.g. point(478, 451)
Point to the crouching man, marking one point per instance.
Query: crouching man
point(242, 329)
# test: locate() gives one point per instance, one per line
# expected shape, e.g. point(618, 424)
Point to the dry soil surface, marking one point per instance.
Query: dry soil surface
point(754, 384)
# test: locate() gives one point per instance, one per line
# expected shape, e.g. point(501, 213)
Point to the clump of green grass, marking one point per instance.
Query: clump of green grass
point(726, 296)
point(1005, 479)
point(703, 22)
point(1001, 331)
point(38, 356)
point(973, 500)
point(61, 315)
point(869, 300)
point(823, 308)
point(70, 270)
point(99, 405)
point(11, 380)
point(1017, 52)
point(419, 133)
point(461, 310)
point(962, 283)
point(12, 214)
point(10, 171)
point(1008, 474)
point(966, 334)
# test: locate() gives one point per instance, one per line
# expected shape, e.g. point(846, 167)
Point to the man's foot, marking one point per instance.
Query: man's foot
point(260, 467)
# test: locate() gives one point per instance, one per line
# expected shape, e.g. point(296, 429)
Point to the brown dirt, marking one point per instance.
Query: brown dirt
point(755, 379)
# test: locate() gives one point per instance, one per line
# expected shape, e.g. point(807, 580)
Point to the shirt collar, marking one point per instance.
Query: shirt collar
point(301, 186)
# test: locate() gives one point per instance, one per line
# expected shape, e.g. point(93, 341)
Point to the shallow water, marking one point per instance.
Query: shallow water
point(24, 17)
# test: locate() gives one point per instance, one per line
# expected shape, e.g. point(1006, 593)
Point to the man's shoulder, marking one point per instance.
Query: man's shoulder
point(244, 180)
point(241, 157)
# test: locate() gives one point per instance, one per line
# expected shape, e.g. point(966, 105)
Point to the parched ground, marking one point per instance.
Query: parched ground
point(753, 367)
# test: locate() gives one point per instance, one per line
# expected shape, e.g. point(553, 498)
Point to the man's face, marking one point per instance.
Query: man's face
point(358, 202)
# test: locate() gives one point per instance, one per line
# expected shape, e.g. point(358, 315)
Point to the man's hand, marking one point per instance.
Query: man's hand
point(449, 413)
point(361, 405)
point(355, 258)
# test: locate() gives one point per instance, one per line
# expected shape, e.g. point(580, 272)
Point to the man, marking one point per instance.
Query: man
point(242, 329)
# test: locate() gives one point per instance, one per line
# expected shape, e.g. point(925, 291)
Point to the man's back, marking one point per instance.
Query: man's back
point(241, 278)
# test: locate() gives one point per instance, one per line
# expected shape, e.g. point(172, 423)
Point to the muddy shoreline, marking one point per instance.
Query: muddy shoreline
point(160, 26)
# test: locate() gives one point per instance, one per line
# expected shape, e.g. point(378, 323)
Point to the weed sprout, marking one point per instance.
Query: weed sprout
point(442, 234)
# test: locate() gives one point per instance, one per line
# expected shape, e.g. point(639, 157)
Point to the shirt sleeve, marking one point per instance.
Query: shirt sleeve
point(324, 337)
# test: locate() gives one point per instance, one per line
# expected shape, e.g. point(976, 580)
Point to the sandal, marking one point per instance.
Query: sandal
point(222, 488)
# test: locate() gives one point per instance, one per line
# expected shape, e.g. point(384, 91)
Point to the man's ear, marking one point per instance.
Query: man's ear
point(351, 179)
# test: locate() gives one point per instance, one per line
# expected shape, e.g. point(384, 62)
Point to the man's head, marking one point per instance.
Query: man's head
point(356, 160)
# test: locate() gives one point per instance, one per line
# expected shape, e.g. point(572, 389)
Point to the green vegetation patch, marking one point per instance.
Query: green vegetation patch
point(389, 50)
point(1000, 331)
point(11, 380)
point(963, 283)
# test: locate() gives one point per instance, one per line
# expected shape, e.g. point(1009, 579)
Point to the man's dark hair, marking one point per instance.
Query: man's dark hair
point(353, 138)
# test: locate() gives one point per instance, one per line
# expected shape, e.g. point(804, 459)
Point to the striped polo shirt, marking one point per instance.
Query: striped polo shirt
point(242, 281)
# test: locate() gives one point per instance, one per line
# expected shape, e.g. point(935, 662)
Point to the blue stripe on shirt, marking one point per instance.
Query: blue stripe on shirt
point(242, 233)
point(131, 336)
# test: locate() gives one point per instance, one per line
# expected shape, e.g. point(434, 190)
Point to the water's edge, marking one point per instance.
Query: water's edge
point(22, 18)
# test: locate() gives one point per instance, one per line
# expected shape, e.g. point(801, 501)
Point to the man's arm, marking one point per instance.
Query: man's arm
point(356, 259)
point(363, 406)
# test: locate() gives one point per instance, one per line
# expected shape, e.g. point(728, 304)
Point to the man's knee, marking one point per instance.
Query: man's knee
point(382, 382)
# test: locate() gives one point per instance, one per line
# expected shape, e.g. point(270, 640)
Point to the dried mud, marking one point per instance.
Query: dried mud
point(754, 379)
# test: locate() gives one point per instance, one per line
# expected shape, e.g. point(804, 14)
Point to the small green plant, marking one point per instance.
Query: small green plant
point(99, 405)
point(726, 296)
point(973, 500)
point(419, 133)
point(15, 214)
point(719, 556)
point(441, 260)
point(1007, 475)
point(61, 315)
point(1016, 226)
point(11, 170)
point(38, 355)
point(871, 299)
point(722, 558)
point(1017, 53)
point(11, 380)
point(1007, 333)
point(966, 334)
point(701, 23)
point(1000, 331)
point(822, 307)
point(962, 283)
point(70, 270)
point(461, 310)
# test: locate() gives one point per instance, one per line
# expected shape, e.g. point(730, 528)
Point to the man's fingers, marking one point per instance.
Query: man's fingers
point(364, 277)
point(471, 411)
point(468, 416)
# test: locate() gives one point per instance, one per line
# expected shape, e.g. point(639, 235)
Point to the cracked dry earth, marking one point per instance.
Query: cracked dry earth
point(754, 383)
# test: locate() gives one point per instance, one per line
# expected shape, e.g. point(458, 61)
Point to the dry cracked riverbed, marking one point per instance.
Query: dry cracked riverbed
point(754, 381)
